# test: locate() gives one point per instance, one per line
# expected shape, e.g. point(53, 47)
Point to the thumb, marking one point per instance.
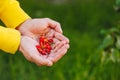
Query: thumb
point(54, 25)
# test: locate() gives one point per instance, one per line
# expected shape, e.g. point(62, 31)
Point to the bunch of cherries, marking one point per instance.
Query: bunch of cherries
point(44, 46)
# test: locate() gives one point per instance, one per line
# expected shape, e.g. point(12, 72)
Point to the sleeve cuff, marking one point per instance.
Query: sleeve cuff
point(10, 40)
point(13, 15)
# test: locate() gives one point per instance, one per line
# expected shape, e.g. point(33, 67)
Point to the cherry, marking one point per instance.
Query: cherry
point(39, 48)
point(44, 46)
point(47, 50)
point(50, 40)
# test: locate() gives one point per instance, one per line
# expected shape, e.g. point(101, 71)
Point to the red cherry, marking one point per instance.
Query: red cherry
point(49, 47)
point(45, 40)
point(41, 39)
point(44, 46)
point(47, 44)
point(41, 44)
point(48, 51)
point(39, 48)
point(50, 41)
point(43, 52)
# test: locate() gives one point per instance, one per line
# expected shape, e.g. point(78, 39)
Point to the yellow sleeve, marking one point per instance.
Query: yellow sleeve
point(11, 13)
point(9, 39)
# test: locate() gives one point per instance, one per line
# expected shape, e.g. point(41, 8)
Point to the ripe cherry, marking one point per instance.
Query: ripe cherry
point(44, 46)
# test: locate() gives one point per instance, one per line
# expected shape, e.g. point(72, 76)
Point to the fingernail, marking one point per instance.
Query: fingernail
point(61, 31)
point(50, 63)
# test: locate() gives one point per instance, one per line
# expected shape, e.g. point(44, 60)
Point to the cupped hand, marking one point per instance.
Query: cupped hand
point(34, 27)
point(28, 49)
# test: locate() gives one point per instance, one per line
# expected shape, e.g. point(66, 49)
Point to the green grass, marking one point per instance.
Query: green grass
point(81, 21)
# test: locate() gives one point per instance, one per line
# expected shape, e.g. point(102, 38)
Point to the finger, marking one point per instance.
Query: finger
point(46, 30)
point(40, 26)
point(55, 25)
point(50, 34)
point(42, 31)
point(58, 55)
point(56, 43)
point(61, 37)
point(59, 45)
point(55, 40)
point(67, 46)
point(41, 61)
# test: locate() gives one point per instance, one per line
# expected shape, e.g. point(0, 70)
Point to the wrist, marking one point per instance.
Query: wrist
point(21, 26)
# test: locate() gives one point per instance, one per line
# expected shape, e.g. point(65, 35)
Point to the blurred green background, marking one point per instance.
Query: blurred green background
point(82, 22)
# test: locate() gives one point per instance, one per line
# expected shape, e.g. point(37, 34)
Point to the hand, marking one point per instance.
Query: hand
point(34, 27)
point(28, 49)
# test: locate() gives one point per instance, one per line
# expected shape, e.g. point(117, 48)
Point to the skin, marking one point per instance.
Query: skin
point(31, 30)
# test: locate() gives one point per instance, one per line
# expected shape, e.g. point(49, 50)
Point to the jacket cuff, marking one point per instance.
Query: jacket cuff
point(10, 40)
point(13, 15)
